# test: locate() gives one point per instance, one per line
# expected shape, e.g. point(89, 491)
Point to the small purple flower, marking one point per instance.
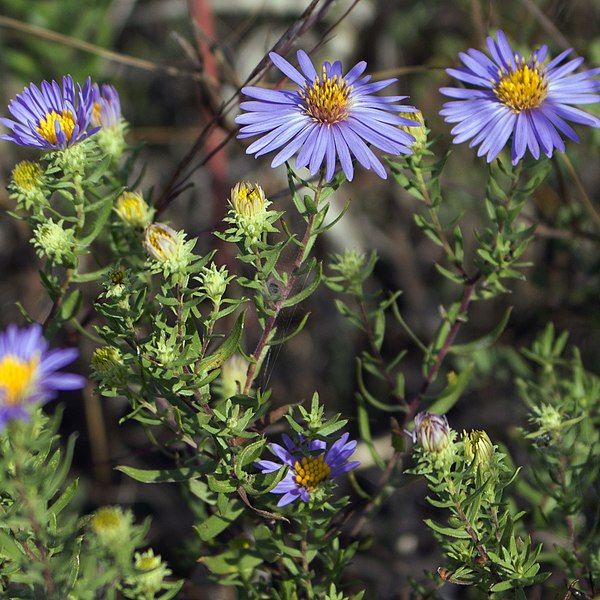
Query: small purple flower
point(527, 99)
point(308, 464)
point(50, 118)
point(106, 106)
point(29, 372)
point(329, 117)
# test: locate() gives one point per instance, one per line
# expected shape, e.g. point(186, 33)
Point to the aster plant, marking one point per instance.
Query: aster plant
point(510, 94)
point(187, 334)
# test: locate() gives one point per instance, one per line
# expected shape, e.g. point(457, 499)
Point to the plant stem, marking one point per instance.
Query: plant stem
point(49, 586)
point(257, 355)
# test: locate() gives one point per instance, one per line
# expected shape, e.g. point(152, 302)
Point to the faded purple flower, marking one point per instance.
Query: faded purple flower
point(106, 106)
point(329, 117)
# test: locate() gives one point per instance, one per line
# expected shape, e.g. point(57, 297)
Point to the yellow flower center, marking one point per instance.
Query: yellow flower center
point(524, 88)
point(160, 241)
point(47, 127)
point(311, 471)
point(327, 100)
point(27, 175)
point(17, 378)
point(106, 518)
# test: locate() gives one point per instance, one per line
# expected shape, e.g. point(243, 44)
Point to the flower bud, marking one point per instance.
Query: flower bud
point(111, 526)
point(248, 212)
point(214, 282)
point(479, 450)
point(168, 248)
point(27, 185)
point(54, 242)
point(549, 419)
point(150, 574)
point(160, 241)
point(419, 132)
point(108, 367)
point(432, 432)
point(106, 114)
point(233, 376)
point(248, 200)
point(133, 210)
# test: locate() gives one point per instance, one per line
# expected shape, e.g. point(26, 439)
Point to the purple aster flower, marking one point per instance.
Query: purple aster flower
point(527, 99)
point(106, 106)
point(329, 117)
point(308, 464)
point(29, 372)
point(50, 118)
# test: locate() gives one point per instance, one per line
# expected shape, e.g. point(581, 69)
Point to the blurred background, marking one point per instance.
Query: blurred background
point(173, 63)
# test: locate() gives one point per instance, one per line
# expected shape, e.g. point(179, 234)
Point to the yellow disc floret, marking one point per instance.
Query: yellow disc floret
point(47, 125)
point(96, 114)
point(17, 378)
point(523, 88)
point(310, 471)
point(327, 100)
point(27, 175)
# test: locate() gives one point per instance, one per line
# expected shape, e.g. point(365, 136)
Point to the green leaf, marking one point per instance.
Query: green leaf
point(215, 524)
point(94, 223)
point(160, 476)
point(448, 531)
point(307, 291)
point(486, 341)
point(453, 391)
point(502, 586)
point(226, 349)
point(364, 429)
point(248, 455)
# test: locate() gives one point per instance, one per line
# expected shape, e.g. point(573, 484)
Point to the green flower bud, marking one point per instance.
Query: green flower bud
point(171, 252)
point(72, 160)
point(549, 419)
point(214, 282)
point(27, 185)
point(133, 210)
point(479, 450)
point(111, 140)
point(233, 376)
point(248, 212)
point(117, 283)
point(107, 365)
point(419, 132)
point(111, 526)
point(150, 575)
point(55, 243)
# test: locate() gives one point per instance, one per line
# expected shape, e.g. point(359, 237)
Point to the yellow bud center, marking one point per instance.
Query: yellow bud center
point(17, 378)
point(27, 174)
point(327, 100)
point(47, 126)
point(160, 241)
point(132, 209)
point(311, 471)
point(247, 199)
point(522, 88)
point(106, 518)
